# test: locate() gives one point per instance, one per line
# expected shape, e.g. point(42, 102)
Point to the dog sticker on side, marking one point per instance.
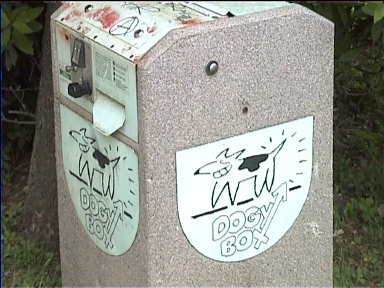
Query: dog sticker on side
point(238, 196)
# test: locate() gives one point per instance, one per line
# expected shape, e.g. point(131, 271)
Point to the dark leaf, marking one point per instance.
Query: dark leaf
point(30, 14)
point(7, 9)
point(343, 14)
point(383, 40)
point(377, 30)
point(35, 26)
point(375, 9)
point(22, 42)
point(6, 37)
point(4, 20)
point(17, 11)
point(326, 10)
point(351, 55)
point(379, 13)
point(22, 27)
point(369, 8)
point(342, 44)
point(11, 57)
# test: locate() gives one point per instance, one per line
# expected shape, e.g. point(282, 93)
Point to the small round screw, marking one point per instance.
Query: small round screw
point(211, 68)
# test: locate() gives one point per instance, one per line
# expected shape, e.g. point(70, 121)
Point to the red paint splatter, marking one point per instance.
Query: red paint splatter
point(96, 14)
point(106, 16)
point(190, 22)
point(108, 19)
point(67, 5)
point(151, 29)
point(74, 13)
point(63, 34)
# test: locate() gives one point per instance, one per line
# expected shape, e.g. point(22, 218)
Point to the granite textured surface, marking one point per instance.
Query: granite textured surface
point(278, 64)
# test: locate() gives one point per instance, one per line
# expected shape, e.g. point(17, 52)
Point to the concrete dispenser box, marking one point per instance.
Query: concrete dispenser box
point(193, 143)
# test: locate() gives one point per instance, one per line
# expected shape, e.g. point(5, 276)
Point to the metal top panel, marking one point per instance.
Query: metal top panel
point(133, 28)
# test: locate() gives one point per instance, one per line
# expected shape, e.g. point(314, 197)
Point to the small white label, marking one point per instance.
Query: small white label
point(238, 196)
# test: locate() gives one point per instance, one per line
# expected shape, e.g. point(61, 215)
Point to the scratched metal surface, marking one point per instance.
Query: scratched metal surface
point(277, 63)
point(132, 28)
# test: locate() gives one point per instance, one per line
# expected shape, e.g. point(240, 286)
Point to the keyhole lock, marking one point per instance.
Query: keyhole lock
point(78, 88)
point(211, 68)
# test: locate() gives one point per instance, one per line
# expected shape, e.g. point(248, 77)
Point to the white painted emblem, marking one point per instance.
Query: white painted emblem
point(238, 196)
point(102, 177)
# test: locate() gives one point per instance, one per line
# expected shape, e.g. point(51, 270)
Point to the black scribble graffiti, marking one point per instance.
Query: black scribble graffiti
point(181, 12)
point(140, 7)
point(171, 4)
point(124, 26)
point(184, 16)
point(226, 170)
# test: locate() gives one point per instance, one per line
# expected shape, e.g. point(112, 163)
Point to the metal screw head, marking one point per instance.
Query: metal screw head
point(211, 68)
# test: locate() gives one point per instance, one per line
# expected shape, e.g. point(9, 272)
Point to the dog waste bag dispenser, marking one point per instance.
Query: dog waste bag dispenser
point(194, 143)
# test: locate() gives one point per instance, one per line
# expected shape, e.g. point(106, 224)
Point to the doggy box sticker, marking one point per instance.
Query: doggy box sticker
point(238, 196)
point(102, 177)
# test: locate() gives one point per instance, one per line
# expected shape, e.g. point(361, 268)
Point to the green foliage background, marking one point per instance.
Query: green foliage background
point(358, 140)
point(16, 25)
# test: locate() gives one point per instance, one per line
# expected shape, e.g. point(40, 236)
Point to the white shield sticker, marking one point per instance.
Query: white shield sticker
point(102, 177)
point(238, 196)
